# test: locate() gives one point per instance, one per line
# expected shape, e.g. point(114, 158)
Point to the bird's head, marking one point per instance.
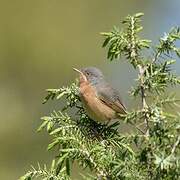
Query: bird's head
point(90, 74)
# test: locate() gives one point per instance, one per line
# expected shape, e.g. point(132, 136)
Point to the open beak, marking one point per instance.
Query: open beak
point(81, 73)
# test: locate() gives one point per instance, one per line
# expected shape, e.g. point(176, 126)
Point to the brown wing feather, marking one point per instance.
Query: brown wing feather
point(115, 105)
point(110, 97)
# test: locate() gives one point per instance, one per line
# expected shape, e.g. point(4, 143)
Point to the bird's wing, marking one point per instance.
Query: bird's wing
point(110, 97)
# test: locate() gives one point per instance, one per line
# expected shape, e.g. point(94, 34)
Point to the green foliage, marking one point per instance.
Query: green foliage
point(44, 173)
point(126, 42)
point(151, 150)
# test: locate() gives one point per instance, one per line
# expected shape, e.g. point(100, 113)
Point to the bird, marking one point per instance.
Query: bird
point(100, 100)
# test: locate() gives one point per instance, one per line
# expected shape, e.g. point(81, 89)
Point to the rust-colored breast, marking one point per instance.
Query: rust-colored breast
point(95, 108)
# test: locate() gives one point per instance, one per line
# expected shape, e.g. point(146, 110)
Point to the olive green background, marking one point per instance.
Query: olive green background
point(40, 42)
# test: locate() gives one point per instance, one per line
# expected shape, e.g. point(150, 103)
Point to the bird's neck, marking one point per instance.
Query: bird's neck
point(93, 81)
point(96, 81)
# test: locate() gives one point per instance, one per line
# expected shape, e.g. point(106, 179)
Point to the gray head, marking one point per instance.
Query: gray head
point(91, 74)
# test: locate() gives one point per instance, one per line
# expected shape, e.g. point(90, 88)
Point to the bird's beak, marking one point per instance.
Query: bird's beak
point(77, 70)
point(81, 73)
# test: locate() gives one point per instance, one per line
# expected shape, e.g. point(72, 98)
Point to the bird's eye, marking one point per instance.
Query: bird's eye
point(88, 73)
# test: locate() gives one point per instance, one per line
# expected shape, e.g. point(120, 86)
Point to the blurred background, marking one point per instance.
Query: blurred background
point(40, 42)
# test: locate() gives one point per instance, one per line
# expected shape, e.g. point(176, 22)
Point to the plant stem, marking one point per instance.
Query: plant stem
point(143, 97)
point(156, 57)
point(134, 57)
point(175, 145)
point(139, 129)
point(99, 171)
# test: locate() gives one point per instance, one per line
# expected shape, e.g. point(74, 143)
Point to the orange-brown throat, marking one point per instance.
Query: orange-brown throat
point(82, 77)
